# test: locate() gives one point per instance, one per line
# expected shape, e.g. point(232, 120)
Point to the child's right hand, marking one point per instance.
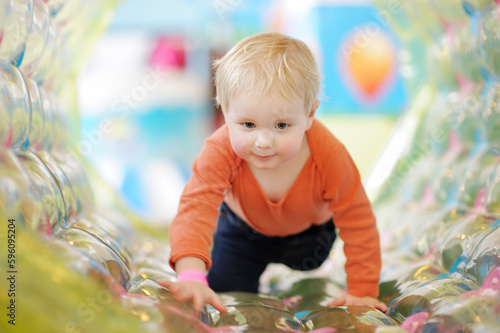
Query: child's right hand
point(198, 293)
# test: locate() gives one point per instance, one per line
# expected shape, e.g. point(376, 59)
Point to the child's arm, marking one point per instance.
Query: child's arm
point(191, 230)
point(353, 215)
point(197, 292)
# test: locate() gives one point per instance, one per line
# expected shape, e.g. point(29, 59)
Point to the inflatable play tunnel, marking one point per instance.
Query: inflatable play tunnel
point(74, 259)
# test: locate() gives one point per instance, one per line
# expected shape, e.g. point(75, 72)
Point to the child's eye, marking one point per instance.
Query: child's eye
point(249, 125)
point(281, 126)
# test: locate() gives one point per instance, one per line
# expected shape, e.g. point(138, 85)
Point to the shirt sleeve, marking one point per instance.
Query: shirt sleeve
point(191, 230)
point(353, 216)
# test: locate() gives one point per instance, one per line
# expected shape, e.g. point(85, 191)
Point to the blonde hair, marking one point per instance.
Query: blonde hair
point(270, 64)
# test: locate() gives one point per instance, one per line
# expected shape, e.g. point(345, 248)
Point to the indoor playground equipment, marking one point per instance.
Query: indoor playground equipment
point(74, 260)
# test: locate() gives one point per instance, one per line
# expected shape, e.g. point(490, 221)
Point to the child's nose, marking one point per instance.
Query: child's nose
point(264, 139)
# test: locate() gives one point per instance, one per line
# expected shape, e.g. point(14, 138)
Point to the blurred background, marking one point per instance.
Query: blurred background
point(146, 97)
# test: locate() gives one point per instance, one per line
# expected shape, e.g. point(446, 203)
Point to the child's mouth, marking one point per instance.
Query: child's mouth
point(264, 158)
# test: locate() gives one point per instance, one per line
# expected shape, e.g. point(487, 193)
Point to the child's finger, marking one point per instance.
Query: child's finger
point(338, 301)
point(166, 284)
point(217, 304)
point(178, 292)
point(171, 286)
point(197, 302)
point(381, 306)
point(182, 295)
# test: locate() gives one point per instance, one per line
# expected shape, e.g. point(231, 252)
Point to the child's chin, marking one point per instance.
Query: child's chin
point(263, 165)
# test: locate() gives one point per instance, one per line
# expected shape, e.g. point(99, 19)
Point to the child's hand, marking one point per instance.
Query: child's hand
point(354, 300)
point(196, 292)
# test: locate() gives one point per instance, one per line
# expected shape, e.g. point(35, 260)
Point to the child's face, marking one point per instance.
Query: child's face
point(267, 132)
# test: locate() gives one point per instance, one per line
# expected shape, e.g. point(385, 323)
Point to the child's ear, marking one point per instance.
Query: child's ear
point(312, 112)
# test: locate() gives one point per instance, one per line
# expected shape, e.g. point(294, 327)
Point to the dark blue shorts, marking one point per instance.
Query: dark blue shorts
point(240, 254)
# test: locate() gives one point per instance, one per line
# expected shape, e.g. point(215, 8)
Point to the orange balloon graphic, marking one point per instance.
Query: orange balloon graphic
point(370, 61)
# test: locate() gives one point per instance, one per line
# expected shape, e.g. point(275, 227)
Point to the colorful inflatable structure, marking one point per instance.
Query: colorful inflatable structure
point(72, 260)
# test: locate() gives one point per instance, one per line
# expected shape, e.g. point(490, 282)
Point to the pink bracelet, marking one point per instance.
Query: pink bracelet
point(192, 275)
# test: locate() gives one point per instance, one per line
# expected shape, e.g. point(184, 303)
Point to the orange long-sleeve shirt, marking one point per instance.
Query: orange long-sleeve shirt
point(329, 184)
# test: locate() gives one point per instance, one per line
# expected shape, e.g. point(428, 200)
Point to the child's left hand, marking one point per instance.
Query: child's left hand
point(354, 300)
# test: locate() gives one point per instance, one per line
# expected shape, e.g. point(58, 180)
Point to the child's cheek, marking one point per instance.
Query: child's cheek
point(289, 148)
point(242, 147)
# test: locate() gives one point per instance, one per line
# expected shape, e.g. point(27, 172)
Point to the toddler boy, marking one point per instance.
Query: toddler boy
point(271, 185)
